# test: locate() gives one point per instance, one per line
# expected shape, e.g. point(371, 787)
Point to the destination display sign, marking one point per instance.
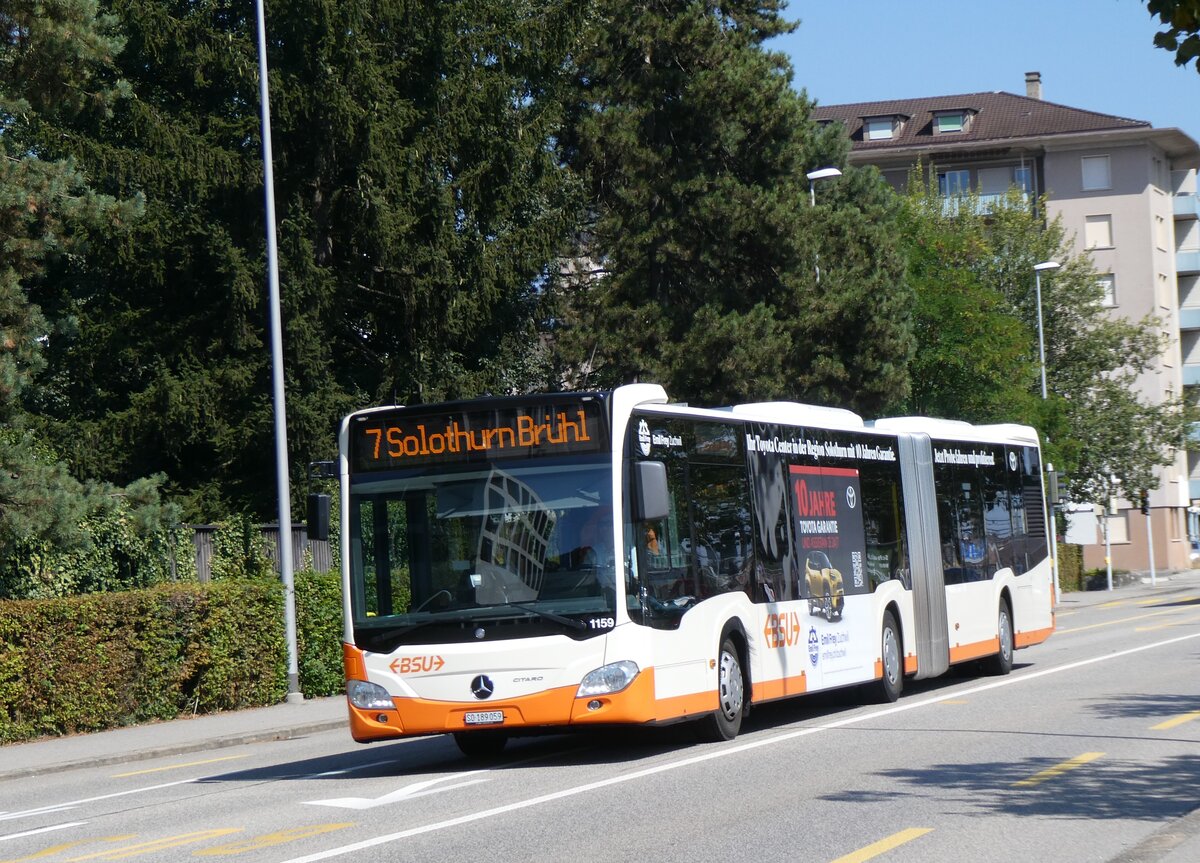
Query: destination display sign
point(412, 438)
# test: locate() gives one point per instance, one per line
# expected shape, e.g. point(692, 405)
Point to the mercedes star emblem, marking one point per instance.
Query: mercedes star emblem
point(482, 687)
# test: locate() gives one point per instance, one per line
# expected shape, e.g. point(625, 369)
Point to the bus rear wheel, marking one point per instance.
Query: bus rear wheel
point(891, 684)
point(726, 722)
point(481, 745)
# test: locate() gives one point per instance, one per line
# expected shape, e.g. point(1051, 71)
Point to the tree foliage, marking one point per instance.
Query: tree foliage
point(56, 68)
point(1181, 29)
point(418, 206)
point(971, 265)
point(697, 264)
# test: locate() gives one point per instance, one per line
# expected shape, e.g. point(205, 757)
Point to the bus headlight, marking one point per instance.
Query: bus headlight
point(608, 679)
point(368, 696)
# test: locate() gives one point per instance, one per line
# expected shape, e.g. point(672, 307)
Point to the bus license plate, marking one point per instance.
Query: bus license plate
point(484, 717)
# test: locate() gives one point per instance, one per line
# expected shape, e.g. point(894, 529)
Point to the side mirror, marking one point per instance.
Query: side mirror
point(650, 499)
point(318, 517)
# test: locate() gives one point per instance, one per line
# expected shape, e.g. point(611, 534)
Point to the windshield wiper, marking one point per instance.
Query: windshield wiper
point(569, 622)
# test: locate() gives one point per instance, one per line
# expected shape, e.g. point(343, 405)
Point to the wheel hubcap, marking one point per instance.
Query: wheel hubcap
point(730, 686)
point(891, 656)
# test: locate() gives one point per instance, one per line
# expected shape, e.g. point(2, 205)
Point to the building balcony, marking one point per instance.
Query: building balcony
point(1187, 206)
point(1191, 374)
point(1187, 261)
point(1189, 318)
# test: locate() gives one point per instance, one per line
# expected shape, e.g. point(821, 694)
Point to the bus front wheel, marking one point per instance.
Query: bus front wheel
point(1002, 662)
point(726, 722)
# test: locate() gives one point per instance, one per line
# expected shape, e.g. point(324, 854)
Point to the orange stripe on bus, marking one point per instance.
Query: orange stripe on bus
point(773, 689)
point(1035, 636)
point(963, 652)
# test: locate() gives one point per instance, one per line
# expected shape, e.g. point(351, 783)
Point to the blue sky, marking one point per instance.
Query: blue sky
point(1093, 54)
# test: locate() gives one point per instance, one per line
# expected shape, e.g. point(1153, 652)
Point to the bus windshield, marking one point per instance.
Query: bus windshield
point(513, 550)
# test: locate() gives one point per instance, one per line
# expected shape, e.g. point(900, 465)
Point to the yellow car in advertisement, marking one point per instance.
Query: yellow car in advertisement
point(825, 593)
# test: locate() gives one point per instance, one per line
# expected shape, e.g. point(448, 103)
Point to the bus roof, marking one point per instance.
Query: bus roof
point(959, 430)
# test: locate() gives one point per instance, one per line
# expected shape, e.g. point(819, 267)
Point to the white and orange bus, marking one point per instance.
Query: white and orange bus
point(534, 563)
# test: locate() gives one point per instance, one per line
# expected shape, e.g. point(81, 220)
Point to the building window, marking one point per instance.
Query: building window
point(952, 121)
point(1108, 290)
point(879, 129)
point(953, 183)
point(1160, 232)
point(1162, 291)
point(1023, 179)
point(1097, 173)
point(1097, 232)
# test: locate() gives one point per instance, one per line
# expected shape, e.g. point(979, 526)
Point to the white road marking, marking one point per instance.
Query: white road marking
point(408, 792)
point(49, 829)
point(722, 752)
point(59, 807)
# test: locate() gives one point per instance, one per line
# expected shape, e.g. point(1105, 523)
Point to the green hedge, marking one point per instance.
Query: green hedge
point(110, 659)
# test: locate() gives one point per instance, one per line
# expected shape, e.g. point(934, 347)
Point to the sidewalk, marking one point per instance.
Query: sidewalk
point(195, 734)
point(1134, 585)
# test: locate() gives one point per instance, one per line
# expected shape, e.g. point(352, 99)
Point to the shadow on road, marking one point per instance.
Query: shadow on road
point(1143, 790)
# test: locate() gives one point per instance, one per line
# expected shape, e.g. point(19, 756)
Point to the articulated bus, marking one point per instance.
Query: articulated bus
point(537, 563)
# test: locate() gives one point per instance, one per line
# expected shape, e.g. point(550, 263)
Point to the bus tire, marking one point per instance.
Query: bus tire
point(891, 683)
point(481, 745)
point(1001, 663)
point(726, 721)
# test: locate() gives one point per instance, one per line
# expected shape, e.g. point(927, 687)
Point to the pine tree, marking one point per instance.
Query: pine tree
point(698, 265)
point(418, 206)
point(56, 67)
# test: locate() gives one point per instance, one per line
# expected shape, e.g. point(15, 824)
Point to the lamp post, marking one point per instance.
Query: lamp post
point(282, 484)
point(813, 176)
point(819, 174)
point(1038, 269)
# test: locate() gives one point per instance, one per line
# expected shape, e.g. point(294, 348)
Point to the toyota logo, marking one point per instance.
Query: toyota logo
point(482, 687)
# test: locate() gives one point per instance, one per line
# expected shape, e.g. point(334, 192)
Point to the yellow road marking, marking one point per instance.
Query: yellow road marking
point(1115, 622)
point(1178, 720)
point(1173, 600)
point(1113, 604)
point(270, 839)
point(177, 766)
point(1183, 621)
point(67, 846)
point(156, 845)
point(1058, 769)
point(884, 845)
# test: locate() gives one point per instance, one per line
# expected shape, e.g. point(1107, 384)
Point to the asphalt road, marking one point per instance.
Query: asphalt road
point(1088, 751)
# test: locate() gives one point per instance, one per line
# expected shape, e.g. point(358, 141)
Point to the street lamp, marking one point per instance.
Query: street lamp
point(282, 484)
point(819, 174)
point(1038, 269)
point(813, 176)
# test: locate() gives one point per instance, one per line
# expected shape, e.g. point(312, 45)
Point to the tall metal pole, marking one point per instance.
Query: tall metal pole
point(1037, 281)
point(1037, 278)
point(282, 485)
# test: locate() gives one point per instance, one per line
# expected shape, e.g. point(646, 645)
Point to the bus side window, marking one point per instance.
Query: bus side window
point(720, 556)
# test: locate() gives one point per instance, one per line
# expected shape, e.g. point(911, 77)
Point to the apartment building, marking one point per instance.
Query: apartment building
point(1126, 191)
